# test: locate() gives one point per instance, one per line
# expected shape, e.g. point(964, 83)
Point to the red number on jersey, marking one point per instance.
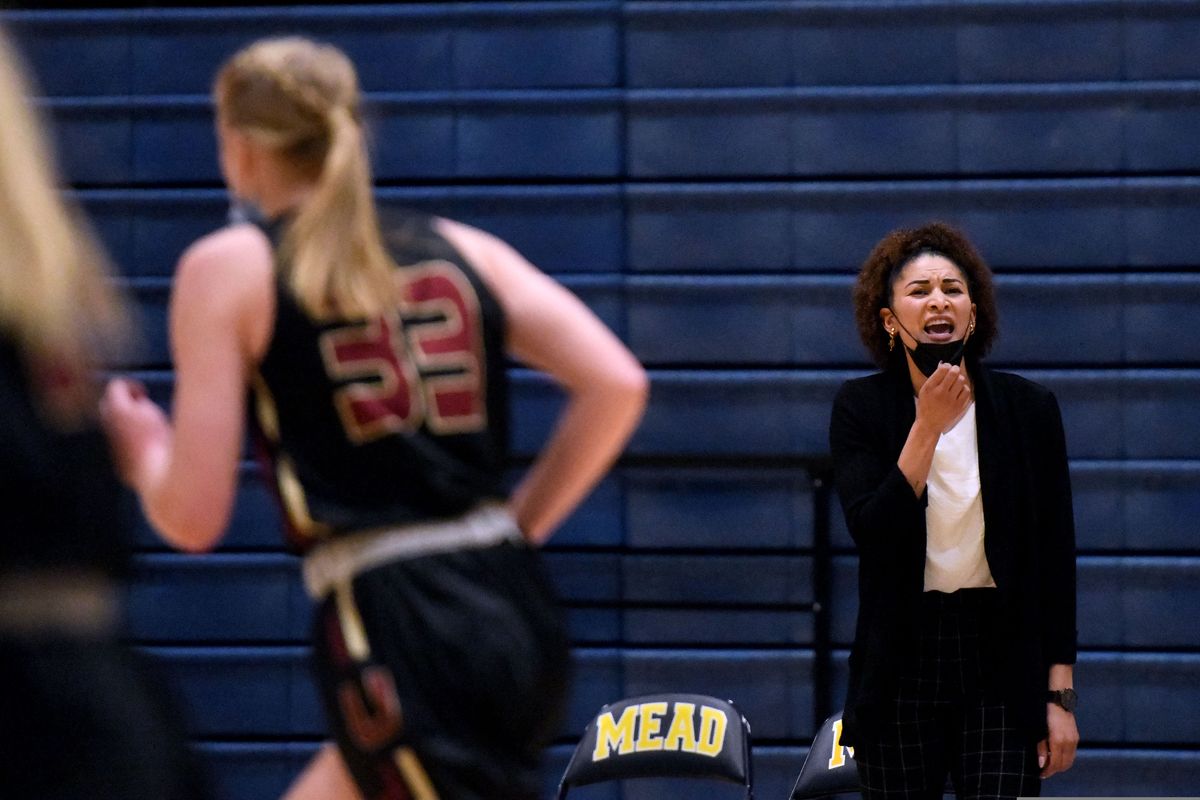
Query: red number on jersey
point(375, 351)
point(428, 369)
point(448, 351)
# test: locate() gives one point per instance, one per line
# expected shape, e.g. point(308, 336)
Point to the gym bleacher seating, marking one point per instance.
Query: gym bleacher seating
point(707, 175)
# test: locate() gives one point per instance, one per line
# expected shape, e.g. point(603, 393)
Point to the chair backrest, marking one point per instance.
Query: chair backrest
point(829, 768)
point(663, 736)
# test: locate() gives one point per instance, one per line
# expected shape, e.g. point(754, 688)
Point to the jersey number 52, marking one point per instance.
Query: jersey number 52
point(420, 365)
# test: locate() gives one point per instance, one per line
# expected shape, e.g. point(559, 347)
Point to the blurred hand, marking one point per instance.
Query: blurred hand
point(138, 431)
point(944, 398)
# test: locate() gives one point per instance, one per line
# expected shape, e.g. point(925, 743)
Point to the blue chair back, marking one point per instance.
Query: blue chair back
point(829, 768)
point(663, 736)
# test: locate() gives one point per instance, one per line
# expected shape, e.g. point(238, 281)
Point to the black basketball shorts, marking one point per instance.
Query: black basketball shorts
point(444, 675)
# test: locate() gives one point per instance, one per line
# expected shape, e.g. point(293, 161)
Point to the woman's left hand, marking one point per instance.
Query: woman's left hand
point(1056, 753)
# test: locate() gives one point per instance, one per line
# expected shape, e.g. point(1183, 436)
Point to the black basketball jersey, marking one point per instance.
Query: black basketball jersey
point(370, 423)
point(63, 505)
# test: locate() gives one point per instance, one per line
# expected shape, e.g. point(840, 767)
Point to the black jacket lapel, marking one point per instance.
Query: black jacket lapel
point(901, 409)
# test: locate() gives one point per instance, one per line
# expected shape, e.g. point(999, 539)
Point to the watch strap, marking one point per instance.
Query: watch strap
point(1066, 699)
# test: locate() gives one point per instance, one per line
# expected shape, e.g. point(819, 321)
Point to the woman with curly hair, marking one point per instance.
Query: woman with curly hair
point(954, 482)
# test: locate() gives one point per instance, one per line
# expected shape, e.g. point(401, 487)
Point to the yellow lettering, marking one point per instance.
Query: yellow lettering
point(612, 733)
point(682, 733)
point(650, 725)
point(712, 731)
point(838, 757)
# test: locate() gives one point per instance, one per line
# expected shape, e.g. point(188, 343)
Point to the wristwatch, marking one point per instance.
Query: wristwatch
point(1065, 699)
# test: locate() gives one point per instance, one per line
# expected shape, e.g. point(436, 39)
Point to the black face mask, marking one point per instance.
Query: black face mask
point(927, 355)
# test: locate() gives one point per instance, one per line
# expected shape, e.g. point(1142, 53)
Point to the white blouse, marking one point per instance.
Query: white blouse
point(954, 554)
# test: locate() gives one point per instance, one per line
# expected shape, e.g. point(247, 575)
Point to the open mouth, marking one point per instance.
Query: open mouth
point(939, 330)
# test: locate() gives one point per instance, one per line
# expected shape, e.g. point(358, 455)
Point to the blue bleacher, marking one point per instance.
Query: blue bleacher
point(707, 175)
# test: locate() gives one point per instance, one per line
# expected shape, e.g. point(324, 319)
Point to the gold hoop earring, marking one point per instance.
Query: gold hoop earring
point(971, 328)
point(891, 340)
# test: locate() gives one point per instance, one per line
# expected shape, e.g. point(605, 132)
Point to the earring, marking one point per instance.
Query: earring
point(891, 339)
point(971, 328)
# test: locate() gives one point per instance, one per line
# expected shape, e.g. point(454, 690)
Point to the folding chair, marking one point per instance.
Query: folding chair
point(663, 736)
point(829, 768)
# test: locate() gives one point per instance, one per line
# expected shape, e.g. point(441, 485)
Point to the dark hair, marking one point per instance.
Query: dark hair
point(873, 289)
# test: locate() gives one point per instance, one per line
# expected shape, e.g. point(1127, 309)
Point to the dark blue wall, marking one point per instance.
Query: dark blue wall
point(707, 176)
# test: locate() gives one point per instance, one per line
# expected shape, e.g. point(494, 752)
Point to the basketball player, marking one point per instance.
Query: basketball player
point(80, 716)
point(375, 358)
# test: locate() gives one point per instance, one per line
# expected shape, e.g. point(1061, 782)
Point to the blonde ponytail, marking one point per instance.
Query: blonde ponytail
point(300, 99)
point(339, 266)
point(57, 302)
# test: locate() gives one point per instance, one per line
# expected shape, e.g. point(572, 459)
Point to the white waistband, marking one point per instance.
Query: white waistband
point(338, 560)
point(62, 602)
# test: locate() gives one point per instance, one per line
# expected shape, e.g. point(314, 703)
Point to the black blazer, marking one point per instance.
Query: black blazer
point(1029, 534)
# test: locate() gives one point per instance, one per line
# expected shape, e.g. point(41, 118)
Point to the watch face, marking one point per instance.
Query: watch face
point(1068, 699)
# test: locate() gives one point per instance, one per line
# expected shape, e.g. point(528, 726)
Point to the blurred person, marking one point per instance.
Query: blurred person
point(81, 715)
point(374, 352)
point(955, 486)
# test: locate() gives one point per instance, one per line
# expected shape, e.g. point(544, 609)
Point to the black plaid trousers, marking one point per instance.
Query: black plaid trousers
point(942, 721)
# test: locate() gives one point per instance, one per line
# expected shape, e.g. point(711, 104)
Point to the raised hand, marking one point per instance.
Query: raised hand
point(944, 398)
